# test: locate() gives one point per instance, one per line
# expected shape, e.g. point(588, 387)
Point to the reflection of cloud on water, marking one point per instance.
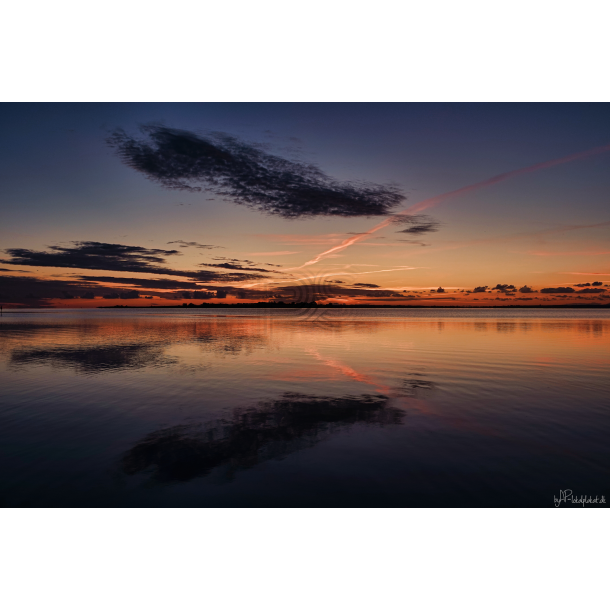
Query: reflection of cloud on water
point(111, 345)
point(97, 359)
point(271, 430)
point(597, 328)
point(414, 385)
point(229, 340)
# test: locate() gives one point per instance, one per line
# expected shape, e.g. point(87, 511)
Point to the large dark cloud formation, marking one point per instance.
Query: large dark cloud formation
point(184, 160)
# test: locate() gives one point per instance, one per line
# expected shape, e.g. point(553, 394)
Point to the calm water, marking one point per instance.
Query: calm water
point(296, 408)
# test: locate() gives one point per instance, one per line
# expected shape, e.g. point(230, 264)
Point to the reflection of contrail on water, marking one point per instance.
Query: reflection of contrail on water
point(348, 371)
point(428, 203)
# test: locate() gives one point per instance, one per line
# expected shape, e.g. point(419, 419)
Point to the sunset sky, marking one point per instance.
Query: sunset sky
point(139, 204)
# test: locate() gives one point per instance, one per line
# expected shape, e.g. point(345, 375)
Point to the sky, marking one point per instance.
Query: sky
point(395, 204)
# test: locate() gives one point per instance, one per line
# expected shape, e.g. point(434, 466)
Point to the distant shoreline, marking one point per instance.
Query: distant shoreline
point(363, 306)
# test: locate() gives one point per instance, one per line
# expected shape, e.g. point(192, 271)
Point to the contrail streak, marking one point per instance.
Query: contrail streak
point(428, 203)
point(316, 277)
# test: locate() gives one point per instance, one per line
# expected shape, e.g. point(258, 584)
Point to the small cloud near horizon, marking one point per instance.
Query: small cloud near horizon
point(420, 224)
point(194, 244)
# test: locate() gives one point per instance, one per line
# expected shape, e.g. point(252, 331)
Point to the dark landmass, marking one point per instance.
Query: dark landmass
point(282, 305)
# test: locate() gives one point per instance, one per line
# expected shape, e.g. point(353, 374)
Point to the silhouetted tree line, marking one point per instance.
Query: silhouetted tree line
point(301, 305)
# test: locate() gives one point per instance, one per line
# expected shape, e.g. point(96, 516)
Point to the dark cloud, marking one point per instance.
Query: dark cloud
point(590, 290)
point(194, 244)
point(236, 266)
point(34, 291)
point(184, 160)
point(361, 285)
point(440, 289)
point(412, 241)
point(526, 289)
point(124, 296)
point(480, 289)
point(160, 284)
point(116, 257)
point(306, 293)
point(596, 284)
point(211, 276)
point(130, 294)
point(247, 437)
point(420, 224)
point(504, 287)
point(245, 261)
point(93, 255)
point(560, 290)
point(234, 260)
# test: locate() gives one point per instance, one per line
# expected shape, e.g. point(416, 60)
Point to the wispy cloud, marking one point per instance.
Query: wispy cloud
point(237, 266)
point(580, 253)
point(420, 224)
point(276, 253)
point(194, 244)
point(159, 284)
point(249, 175)
point(583, 273)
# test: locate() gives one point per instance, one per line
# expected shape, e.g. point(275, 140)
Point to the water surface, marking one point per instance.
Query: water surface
point(303, 408)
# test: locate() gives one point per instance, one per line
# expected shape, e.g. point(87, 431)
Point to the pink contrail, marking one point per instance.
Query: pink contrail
point(428, 203)
point(343, 273)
